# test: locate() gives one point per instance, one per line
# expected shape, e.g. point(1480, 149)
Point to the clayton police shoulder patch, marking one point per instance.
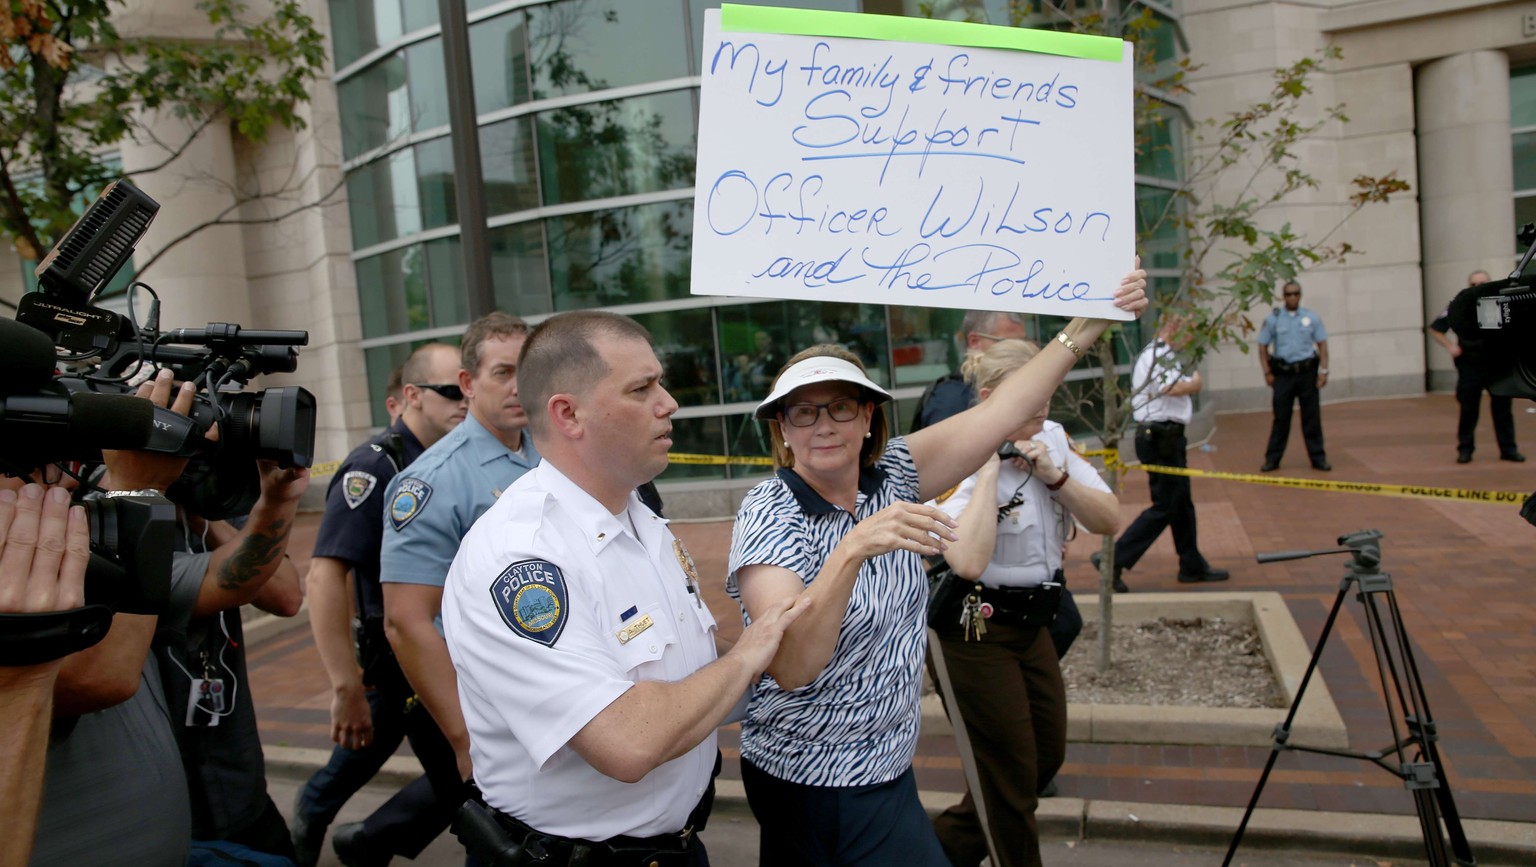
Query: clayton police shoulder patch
point(410, 498)
point(530, 595)
point(356, 486)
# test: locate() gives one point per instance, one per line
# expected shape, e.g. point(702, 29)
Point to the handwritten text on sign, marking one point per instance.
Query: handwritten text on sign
point(859, 170)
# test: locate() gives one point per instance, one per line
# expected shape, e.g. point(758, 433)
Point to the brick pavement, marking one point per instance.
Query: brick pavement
point(1462, 573)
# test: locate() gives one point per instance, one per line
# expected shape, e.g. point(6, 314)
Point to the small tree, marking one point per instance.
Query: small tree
point(72, 88)
point(1229, 257)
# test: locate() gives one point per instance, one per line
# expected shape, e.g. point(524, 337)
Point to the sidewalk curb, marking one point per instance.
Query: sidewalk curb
point(1361, 834)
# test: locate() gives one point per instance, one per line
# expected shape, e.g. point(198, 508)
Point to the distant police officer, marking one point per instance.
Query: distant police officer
point(369, 694)
point(433, 503)
point(1296, 367)
point(1473, 376)
point(585, 655)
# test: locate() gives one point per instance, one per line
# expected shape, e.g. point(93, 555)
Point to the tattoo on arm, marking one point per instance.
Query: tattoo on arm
point(256, 553)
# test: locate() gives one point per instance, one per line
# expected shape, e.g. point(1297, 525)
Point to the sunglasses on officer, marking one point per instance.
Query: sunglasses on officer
point(447, 392)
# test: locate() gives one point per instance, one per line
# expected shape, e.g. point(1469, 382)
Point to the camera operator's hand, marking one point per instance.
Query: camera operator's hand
point(139, 470)
point(44, 549)
point(282, 485)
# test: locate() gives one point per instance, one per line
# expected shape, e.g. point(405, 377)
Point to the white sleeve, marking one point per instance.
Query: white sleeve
point(954, 504)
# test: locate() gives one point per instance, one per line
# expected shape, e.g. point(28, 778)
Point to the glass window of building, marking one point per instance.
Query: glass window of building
point(696, 17)
point(621, 256)
point(585, 45)
point(1522, 121)
point(601, 150)
point(359, 26)
point(428, 84)
point(375, 107)
point(498, 59)
point(519, 269)
point(509, 166)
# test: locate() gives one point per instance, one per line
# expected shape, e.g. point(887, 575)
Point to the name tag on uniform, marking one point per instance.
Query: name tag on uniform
point(635, 627)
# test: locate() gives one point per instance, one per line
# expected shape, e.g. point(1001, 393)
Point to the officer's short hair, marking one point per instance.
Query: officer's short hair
point(495, 324)
point(560, 357)
point(980, 321)
point(418, 368)
point(1288, 284)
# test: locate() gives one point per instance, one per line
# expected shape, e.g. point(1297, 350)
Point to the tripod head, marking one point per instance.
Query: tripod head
point(1363, 545)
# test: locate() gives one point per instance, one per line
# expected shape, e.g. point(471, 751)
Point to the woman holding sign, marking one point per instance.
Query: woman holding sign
point(829, 737)
point(1014, 516)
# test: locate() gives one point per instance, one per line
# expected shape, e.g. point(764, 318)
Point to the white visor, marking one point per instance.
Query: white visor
point(820, 368)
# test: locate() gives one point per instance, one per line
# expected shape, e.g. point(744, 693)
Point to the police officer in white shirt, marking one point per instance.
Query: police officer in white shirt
point(585, 654)
point(1162, 406)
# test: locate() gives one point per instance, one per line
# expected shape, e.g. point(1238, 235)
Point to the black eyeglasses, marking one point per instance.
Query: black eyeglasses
point(805, 414)
point(448, 392)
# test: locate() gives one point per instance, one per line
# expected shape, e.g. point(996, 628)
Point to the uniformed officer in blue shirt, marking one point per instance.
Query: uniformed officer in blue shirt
point(1293, 351)
point(433, 503)
point(369, 692)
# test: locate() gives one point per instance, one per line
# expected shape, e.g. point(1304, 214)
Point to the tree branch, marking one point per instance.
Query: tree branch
point(252, 221)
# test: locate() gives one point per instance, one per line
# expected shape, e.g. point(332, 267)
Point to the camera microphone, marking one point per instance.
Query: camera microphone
point(26, 358)
point(52, 427)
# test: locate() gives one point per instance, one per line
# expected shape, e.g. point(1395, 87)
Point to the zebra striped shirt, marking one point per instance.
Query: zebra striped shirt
point(857, 723)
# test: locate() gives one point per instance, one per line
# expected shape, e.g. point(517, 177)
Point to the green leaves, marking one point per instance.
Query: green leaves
point(74, 87)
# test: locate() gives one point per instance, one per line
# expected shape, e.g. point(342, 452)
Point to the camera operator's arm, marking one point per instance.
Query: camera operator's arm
point(44, 548)
point(109, 673)
point(241, 569)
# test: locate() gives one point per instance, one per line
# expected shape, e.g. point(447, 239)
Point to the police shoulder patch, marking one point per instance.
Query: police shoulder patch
point(356, 486)
point(530, 595)
point(410, 498)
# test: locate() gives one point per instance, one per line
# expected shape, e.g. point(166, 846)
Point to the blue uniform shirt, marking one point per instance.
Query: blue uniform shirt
point(431, 504)
point(352, 528)
point(1292, 337)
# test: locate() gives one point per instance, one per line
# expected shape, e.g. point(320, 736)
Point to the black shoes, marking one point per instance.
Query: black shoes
point(352, 850)
point(1269, 466)
point(1464, 456)
point(1202, 577)
point(1516, 457)
point(1323, 466)
point(1096, 558)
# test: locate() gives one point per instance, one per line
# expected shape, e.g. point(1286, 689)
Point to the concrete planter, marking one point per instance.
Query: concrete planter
point(1317, 722)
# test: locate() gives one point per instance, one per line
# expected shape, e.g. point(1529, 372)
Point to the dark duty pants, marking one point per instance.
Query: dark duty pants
point(1298, 385)
point(1173, 506)
point(1471, 380)
point(410, 820)
point(1010, 694)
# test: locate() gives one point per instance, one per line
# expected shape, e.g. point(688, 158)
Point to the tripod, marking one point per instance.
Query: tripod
point(1414, 757)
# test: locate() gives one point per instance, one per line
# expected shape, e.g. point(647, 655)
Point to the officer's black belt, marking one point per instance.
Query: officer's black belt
point(500, 840)
point(1165, 426)
point(1306, 365)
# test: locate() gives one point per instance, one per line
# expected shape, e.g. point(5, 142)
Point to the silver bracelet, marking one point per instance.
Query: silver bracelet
point(144, 492)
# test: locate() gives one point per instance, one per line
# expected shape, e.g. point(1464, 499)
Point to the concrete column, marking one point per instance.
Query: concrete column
point(1466, 181)
point(201, 279)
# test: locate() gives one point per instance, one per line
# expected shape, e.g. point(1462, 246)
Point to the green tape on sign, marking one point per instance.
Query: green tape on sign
point(736, 18)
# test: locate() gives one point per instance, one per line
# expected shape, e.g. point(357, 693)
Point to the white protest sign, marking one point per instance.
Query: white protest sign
point(900, 172)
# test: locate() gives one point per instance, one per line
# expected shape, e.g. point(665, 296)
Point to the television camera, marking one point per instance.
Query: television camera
point(68, 370)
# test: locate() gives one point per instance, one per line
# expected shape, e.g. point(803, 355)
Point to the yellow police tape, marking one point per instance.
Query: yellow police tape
point(1112, 458)
point(1377, 488)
